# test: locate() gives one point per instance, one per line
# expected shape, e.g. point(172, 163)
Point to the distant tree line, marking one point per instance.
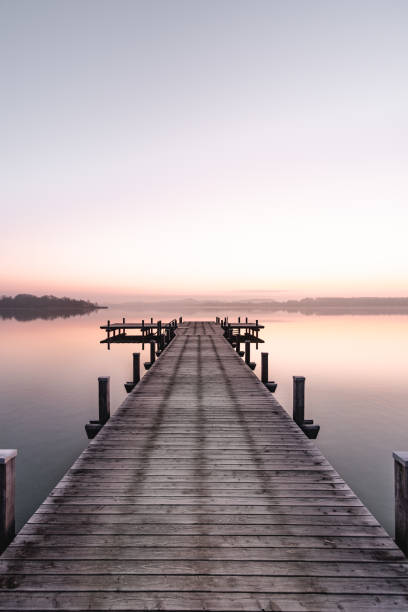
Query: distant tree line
point(45, 302)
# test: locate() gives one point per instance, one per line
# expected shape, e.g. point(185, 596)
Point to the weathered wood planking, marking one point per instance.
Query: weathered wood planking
point(201, 493)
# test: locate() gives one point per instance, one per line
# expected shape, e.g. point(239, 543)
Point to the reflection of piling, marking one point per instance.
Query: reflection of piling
point(7, 496)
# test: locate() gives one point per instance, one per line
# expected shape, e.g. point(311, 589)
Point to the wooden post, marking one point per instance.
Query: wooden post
point(136, 368)
point(239, 319)
point(108, 330)
point(151, 320)
point(124, 330)
point(152, 352)
point(299, 399)
point(238, 345)
point(247, 352)
point(246, 319)
point(401, 499)
point(180, 320)
point(159, 346)
point(264, 367)
point(7, 496)
point(104, 399)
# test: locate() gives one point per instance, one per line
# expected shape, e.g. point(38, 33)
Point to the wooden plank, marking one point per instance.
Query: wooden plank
point(200, 602)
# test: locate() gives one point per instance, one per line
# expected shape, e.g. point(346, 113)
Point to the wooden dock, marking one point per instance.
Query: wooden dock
point(201, 493)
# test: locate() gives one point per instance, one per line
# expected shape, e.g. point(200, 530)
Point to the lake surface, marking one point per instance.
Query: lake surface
point(356, 370)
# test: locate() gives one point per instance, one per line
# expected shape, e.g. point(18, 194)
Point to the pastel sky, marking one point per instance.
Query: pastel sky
point(188, 146)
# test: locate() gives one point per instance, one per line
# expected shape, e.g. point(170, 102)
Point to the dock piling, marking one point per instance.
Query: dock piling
point(401, 499)
point(104, 399)
point(7, 493)
point(264, 367)
point(247, 352)
point(136, 368)
point(299, 399)
point(306, 426)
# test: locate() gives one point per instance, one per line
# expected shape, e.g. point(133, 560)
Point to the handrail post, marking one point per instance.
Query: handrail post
point(401, 499)
point(7, 493)
point(104, 398)
point(299, 399)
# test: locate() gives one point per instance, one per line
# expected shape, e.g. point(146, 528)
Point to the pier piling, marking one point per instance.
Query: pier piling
point(401, 499)
point(104, 399)
point(7, 493)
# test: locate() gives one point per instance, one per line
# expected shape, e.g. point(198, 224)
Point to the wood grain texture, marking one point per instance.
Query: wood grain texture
point(201, 493)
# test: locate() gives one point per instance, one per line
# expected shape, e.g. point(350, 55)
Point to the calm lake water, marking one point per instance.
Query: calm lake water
point(356, 372)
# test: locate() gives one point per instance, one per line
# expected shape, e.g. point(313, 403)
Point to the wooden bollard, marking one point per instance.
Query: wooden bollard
point(7, 492)
point(264, 367)
point(247, 352)
point(401, 499)
point(136, 368)
point(299, 399)
point(269, 384)
point(307, 427)
point(104, 399)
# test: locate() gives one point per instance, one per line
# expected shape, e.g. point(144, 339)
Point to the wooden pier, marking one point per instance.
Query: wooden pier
point(201, 493)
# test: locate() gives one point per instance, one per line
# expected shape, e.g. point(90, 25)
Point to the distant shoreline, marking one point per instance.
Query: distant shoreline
point(25, 306)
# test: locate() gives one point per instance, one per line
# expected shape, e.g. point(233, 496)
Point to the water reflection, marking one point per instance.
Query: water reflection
point(32, 314)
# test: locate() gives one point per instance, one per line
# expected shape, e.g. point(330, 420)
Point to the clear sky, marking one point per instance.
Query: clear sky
point(193, 146)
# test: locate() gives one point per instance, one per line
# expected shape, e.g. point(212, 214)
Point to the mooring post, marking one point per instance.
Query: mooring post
point(239, 319)
point(108, 330)
point(299, 399)
point(124, 330)
point(401, 499)
point(151, 320)
point(152, 352)
point(264, 367)
point(136, 368)
point(7, 492)
point(238, 344)
point(180, 320)
point(247, 352)
point(104, 399)
point(159, 344)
